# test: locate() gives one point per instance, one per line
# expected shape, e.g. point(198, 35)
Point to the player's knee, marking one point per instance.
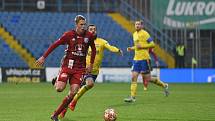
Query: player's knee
point(60, 86)
point(59, 89)
point(134, 78)
point(90, 84)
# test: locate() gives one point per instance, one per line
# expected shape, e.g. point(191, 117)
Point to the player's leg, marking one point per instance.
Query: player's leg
point(60, 85)
point(89, 83)
point(75, 83)
point(157, 81)
point(61, 81)
point(73, 90)
point(146, 77)
point(133, 88)
point(160, 83)
point(63, 113)
point(145, 85)
point(134, 84)
point(146, 68)
point(136, 68)
point(61, 110)
point(145, 72)
point(89, 80)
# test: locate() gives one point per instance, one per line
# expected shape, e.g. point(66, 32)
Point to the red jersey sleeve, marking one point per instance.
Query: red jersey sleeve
point(153, 54)
point(61, 41)
point(93, 48)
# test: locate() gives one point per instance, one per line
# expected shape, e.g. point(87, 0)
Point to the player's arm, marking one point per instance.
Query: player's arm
point(113, 48)
point(60, 41)
point(131, 48)
point(150, 44)
point(154, 56)
point(92, 57)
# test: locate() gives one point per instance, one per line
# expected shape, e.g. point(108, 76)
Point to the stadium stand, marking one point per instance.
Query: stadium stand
point(37, 30)
point(9, 57)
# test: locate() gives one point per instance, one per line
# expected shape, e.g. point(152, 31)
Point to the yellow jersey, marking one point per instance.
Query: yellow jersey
point(101, 44)
point(143, 39)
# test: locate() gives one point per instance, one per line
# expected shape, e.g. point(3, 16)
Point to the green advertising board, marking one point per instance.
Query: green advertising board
point(183, 13)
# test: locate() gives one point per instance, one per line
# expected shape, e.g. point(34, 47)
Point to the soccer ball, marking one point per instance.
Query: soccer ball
point(110, 115)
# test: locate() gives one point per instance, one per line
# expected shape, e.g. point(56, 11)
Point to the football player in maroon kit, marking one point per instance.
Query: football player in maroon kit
point(73, 64)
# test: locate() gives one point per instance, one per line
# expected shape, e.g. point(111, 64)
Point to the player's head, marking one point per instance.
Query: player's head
point(138, 25)
point(80, 22)
point(92, 29)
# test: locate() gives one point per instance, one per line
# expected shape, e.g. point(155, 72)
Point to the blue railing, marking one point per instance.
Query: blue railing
point(160, 37)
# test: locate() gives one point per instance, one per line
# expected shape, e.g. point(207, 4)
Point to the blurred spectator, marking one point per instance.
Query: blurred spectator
point(179, 55)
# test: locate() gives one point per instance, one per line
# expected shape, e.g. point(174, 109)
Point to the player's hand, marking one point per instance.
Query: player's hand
point(129, 49)
point(40, 61)
point(89, 69)
point(120, 52)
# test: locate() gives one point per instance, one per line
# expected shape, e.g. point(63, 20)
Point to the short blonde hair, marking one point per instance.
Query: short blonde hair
point(78, 18)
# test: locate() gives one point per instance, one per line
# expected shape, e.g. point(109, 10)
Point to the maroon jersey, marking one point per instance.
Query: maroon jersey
point(76, 51)
point(151, 51)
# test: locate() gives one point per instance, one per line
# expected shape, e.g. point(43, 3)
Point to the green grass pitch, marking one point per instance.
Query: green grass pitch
point(36, 102)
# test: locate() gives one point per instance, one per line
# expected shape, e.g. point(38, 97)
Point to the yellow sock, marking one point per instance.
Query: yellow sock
point(133, 89)
point(81, 92)
point(157, 82)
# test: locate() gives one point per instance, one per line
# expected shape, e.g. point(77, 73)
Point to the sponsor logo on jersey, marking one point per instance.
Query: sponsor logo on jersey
point(79, 48)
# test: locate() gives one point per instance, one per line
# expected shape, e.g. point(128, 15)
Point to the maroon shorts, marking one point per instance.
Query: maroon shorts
point(73, 75)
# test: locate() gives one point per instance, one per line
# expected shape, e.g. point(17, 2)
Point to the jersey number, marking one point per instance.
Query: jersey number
point(71, 62)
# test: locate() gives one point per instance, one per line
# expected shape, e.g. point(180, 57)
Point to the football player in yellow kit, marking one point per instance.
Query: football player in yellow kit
point(141, 61)
point(89, 79)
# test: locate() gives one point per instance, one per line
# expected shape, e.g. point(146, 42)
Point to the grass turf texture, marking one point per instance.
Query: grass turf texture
point(36, 102)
